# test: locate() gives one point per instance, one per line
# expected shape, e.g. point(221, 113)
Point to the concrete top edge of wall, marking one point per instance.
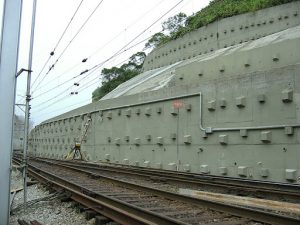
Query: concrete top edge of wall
point(225, 32)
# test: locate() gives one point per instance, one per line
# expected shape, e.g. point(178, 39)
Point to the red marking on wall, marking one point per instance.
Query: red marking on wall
point(178, 104)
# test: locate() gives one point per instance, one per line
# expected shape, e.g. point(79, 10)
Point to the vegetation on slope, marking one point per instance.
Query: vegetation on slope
point(216, 10)
point(219, 9)
point(113, 77)
point(176, 27)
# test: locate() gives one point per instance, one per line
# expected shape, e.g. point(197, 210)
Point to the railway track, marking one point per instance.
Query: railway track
point(131, 203)
point(175, 181)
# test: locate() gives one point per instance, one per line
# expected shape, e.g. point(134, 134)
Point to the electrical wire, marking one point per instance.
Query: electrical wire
point(80, 29)
point(94, 68)
point(61, 37)
point(67, 96)
point(87, 70)
point(145, 29)
point(70, 42)
point(119, 51)
point(120, 33)
point(90, 71)
point(58, 100)
point(49, 90)
point(83, 87)
point(96, 77)
point(61, 93)
point(106, 44)
point(65, 107)
point(55, 79)
point(64, 32)
point(64, 91)
point(39, 74)
point(88, 84)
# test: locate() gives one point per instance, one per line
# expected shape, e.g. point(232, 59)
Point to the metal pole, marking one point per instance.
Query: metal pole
point(11, 22)
point(28, 98)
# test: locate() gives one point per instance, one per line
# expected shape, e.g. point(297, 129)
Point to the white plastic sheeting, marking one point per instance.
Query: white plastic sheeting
point(149, 80)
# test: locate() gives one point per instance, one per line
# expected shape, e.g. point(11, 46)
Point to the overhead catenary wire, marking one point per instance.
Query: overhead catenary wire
point(120, 50)
point(64, 108)
point(113, 56)
point(108, 42)
point(87, 70)
point(58, 42)
point(40, 73)
point(65, 96)
point(70, 42)
point(57, 100)
point(96, 78)
point(173, 7)
point(90, 71)
point(86, 85)
point(120, 33)
point(76, 34)
point(94, 68)
point(52, 89)
point(64, 32)
point(55, 79)
point(83, 87)
point(60, 94)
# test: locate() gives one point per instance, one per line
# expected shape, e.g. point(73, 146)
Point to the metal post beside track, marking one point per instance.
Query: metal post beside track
point(11, 21)
point(28, 98)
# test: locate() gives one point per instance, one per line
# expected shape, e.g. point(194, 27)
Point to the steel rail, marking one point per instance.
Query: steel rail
point(241, 182)
point(290, 191)
point(119, 211)
point(257, 215)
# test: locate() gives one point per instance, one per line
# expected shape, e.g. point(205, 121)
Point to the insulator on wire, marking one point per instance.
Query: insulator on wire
point(52, 53)
point(76, 92)
point(76, 84)
point(51, 67)
point(72, 93)
point(84, 60)
point(83, 72)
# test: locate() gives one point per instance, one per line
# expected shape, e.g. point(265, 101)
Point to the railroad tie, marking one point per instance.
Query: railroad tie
point(34, 222)
point(22, 222)
point(90, 214)
point(101, 220)
point(230, 222)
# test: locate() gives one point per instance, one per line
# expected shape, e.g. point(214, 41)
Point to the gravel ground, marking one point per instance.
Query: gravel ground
point(46, 212)
point(184, 212)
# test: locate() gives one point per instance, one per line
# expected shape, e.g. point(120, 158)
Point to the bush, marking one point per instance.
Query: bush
point(219, 9)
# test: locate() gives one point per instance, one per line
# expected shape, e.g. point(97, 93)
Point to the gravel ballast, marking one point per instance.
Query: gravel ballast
point(47, 212)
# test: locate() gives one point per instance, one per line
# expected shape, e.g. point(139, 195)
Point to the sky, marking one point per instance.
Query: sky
point(111, 27)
